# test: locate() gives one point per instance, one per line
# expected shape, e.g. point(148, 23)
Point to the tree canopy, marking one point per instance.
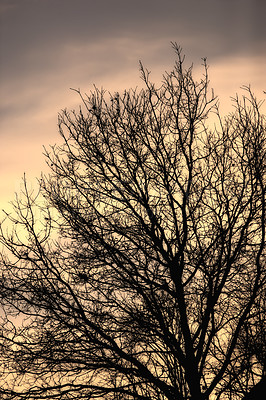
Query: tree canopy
point(137, 272)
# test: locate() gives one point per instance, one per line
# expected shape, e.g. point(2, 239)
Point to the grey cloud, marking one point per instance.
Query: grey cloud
point(226, 26)
point(59, 43)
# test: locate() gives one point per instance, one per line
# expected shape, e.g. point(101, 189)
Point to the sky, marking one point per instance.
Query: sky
point(50, 46)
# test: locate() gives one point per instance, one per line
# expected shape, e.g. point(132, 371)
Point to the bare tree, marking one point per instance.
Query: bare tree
point(138, 274)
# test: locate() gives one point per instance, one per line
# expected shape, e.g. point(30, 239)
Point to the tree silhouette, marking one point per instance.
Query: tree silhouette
point(137, 272)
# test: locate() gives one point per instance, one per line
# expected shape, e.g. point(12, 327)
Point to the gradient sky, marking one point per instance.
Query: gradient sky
point(48, 46)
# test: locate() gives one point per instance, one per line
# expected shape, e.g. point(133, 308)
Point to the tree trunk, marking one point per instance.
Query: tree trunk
point(258, 391)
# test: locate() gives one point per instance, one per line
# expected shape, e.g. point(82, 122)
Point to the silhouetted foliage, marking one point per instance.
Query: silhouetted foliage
point(139, 273)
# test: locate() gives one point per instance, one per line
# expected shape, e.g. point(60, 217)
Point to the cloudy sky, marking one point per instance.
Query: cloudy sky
point(49, 46)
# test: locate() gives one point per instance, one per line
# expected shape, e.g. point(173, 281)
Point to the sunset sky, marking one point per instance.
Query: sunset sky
point(50, 46)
